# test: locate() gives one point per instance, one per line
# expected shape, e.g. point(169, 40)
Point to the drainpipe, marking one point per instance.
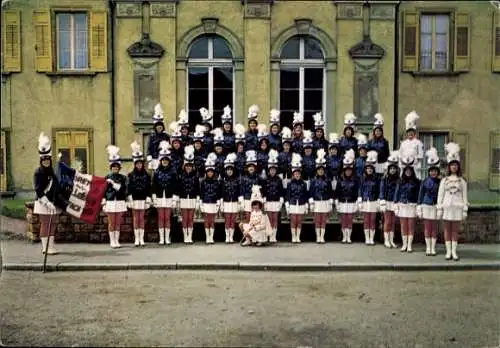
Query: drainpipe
point(112, 90)
point(396, 79)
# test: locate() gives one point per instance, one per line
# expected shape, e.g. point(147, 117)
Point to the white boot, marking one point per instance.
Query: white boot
point(348, 234)
point(190, 235)
point(117, 239)
point(186, 235)
point(410, 241)
point(372, 237)
point(141, 236)
point(212, 232)
point(344, 235)
point(136, 237)
point(298, 235)
point(433, 246)
point(207, 235)
point(44, 240)
point(227, 235)
point(318, 232)
point(52, 250)
point(387, 244)
point(231, 235)
point(405, 243)
point(391, 240)
point(272, 238)
point(367, 237)
point(427, 246)
point(454, 255)
point(161, 233)
point(294, 236)
point(167, 236)
point(112, 239)
point(322, 235)
point(448, 250)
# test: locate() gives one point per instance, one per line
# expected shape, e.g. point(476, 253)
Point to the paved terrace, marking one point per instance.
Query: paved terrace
point(21, 255)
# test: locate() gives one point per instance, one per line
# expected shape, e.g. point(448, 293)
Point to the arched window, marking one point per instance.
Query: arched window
point(302, 80)
point(210, 78)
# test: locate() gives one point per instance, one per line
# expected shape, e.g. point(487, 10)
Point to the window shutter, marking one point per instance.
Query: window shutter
point(494, 172)
point(462, 42)
point(43, 41)
point(411, 34)
point(11, 39)
point(496, 42)
point(98, 41)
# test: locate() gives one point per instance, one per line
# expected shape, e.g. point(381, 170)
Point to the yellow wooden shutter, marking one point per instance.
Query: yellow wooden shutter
point(411, 34)
point(496, 42)
point(43, 40)
point(11, 39)
point(494, 172)
point(80, 139)
point(98, 41)
point(462, 42)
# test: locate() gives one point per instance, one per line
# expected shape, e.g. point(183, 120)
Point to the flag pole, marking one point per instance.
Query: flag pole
point(44, 268)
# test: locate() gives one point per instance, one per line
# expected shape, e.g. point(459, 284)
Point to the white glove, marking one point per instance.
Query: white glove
point(148, 200)
point(330, 204)
point(464, 214)
point(175, 198)
point(382, 205)
point(149, 158)
point(44, 200)
point(221, 206)
point(154, 196)
point(198, 205)
point(280, 176)
point(281, 202)
point(50, 206)
point(287, 208)
point(419, 211)
point(311, 201)
point(360, 203)
point(396, 208)
point(103, 202)
point(129, 202)
point(439, 214)
point(240, 199)
point(337, 204)
point(311, 208)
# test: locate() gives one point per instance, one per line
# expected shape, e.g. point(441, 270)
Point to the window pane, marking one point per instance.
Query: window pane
point(291, 49)
point(289, 78)
point(313, 100)
point(426, 24)
point(81, 60)
point(313, 78)
point(198, 94)
point(441, 51)
point(65, 158)
point(198, 78)
point(426, 51)
point(222, 98)
point(289, 99)
point(194, 118)
point(495, 161)
point(442, 24)
point(199, 48)
point(308, 118)
point(286, 118)
point(81, 157)
point(312, 49)
point(64, 41)
point(221, 48)
point(223, 77)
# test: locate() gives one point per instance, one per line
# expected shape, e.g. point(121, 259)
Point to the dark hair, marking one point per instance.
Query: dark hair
point(381, 130)
point(365, 174)
point(343, 176)
point(352, 131)
point(459, 171)
point(254, 203)
point(413, 176)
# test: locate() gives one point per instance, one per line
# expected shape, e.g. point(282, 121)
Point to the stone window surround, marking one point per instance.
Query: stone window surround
point(302, 26)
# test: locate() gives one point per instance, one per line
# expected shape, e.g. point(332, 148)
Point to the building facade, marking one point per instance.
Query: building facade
point(89, 72)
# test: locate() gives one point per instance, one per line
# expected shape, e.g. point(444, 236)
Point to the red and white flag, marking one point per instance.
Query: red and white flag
point(85, 200)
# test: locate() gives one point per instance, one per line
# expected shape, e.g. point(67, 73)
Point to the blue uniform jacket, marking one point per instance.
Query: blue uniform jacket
point(119, 195)
point(219, 164)
point(41, 180)
point(333, 166)
point(297, 145)
point(247, 181)
point(154, 143)
point(139, 184)
point(251, 140)
point(229, 144)
point(189, 185)
point(308, 167)
point(176, 160)
point(230, 188)
point(208, 143)
point(407, 191)
point(388, 186)
point(273, 189)
point(164, 182)
point(320, 188)
point(429, 191)
point(262, 158)
point(186, 140)
point(210, 191)
point(275, 142)
point(320, 143)
point(296, 192)
point(347, 144)
point(381, 146)
point(199, 162)
point(360, 166)
point(284, 164)
point(369, 188)
point(240, 163)
point(347, 190)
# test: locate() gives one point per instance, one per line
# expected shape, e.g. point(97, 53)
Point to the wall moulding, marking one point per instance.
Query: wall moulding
point(349, 10)
point(130, 10)
point(163, 10)
point(258, 10)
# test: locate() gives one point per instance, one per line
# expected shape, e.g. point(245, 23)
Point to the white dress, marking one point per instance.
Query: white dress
point(115, 206)
point(347, 207)
point(452, 198)
point(261, 227)
point(231, 207)
point(418, 146)
point(322, 207)
point(273, 207)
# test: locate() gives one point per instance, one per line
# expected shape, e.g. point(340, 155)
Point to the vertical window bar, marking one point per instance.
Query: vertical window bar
point(210, 48)
point(211, 88)
point(72, 40)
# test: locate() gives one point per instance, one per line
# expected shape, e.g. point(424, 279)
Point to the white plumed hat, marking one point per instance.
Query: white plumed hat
point(256, 195)
point(349, 158)
point(113, 154)
point(393, 157)
point(226, 116)
point(206, 116)
point(308, 140)
point(239, 133)
point(175, 130)
point(286, 134)
point(183, 119)
point(230, 160)
point(407, 156)
point(164, 150)
point(137, 154)
point(44, 146)
point(411, 121)
point(273, 159)
point(349, 120)
point(296, 162)
point(189, 154)
point(218, 137)
point(362, 140)
point(371, 158)
point(319, 122)
point(274, 117)
point(262, 132)
point(432, 157)
point(251, 157)
point(199, 132)
point(320, 158)
point(452, 152)
point(379, 121)
point(333, 139)
point(158, 114)
point(210, 162)
point(253, 112)
point(298, 118)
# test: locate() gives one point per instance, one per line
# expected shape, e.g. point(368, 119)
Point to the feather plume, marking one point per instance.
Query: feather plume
point(173, 126)
point(297, 118)
point(334, 137)
point(362, 139)
point(393, 156)
point(411, 120)
point(452, 152)
point(379, 119)
point(231, 158)
point(432, 152)
point(218, 133)
point(253, 111)
point(251, 155)
point(239, 128)
point(372, 156)
point(158, 110)
point(349, 118)
point(183, 117)
point(164, 146)
point(273, 155)
point(296, 158)
point(200, 129)
point(286, 133)
point(212, 157)
point(320, 155)
point(307, 135)
point(136, 147)
point(43, 143)
point(255, 190)
point(113, 150)
point(227, 111)
point(275, 116)
point(205, 114)
point(349, 154)
point(318, 117)
point(189, 152)
point(262, 129)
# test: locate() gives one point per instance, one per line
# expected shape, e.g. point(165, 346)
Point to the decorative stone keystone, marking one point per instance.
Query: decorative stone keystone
point(145, 48)
point(210, 24)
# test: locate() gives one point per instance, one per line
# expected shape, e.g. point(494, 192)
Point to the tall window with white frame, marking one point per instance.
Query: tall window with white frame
point(302, 80)
point(436, 140)
point(72, 41)
point(210, 78)
point(435, 42)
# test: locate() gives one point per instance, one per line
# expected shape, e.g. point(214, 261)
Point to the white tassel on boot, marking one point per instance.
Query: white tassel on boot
point(167, 236)
point(52, 247)
point(298, 235)
point(454, 255)
point(117, 239)
point(344, 235)
point(433, 246)
point(161, 233)
point(387, 244)
point(141, 237)
point(410, 241)
point(318, 238)
point(448, 250)
point(112, 239)
point(136, 237)
point(405, 243)
point(322, 235)
point(391, 240)
point(372, 237)
point(348, 234)
point(427, 246)
point(367, 237)
point(44, 240)
point(186, 235)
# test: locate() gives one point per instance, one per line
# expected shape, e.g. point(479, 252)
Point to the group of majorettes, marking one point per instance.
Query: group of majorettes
point(216, 171)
